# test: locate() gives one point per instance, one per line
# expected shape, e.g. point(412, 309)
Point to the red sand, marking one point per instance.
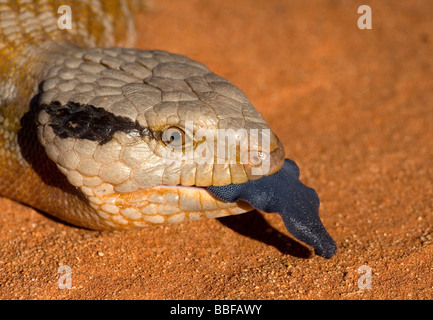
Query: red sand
point(352, 107)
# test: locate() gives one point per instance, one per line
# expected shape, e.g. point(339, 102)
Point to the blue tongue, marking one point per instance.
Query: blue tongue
point(283, 193)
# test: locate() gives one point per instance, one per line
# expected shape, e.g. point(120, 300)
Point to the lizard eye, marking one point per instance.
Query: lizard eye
point(175, 137)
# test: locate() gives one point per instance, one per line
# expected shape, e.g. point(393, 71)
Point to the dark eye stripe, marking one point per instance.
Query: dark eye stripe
point(74, 120)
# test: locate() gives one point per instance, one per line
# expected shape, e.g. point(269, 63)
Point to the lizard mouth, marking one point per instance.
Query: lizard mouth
point(281, 192)
point(177, 203)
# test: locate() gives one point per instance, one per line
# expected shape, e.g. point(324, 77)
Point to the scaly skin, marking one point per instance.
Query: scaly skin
point(121, 181)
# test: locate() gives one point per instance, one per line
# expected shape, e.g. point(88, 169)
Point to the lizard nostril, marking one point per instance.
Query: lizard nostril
point(254, 158)
point(261, 163)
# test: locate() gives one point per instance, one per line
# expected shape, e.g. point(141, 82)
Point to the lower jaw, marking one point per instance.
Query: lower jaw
point(161, 205)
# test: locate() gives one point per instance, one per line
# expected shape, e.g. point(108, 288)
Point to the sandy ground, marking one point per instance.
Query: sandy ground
point(352, 107)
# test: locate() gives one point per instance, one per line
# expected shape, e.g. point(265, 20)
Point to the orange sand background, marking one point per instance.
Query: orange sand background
point(352, 107)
